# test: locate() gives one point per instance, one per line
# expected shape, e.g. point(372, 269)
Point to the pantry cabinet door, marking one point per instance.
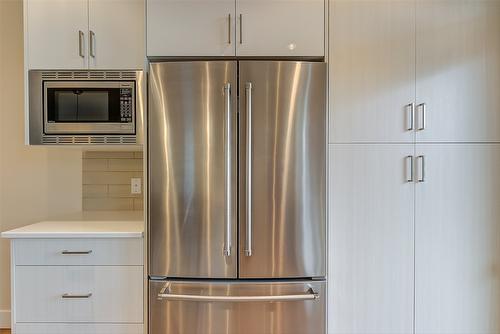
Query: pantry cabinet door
point(458, 239)
point(177, 28)
point(372, 70)
point(280, 28)
point(371, 215)
point(56, 34)
point(116, 34)
point(458, 70)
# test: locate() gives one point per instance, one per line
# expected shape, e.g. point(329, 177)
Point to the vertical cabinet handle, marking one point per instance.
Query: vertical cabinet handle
point(421, 164)
point(241, 29)
point(410, 120)
point(81, 36)
point(92, 44)
point(229, 28)
point(409, 169)
point(228, 134)
point(422, 107)
point(248, 241)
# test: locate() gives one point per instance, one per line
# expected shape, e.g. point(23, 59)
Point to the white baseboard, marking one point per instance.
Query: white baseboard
point(4, 318)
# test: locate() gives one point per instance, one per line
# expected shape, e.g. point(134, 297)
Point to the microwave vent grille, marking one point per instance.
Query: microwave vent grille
point(96, 75)
point(97, 140)
point(89, 75)
point(86, 140)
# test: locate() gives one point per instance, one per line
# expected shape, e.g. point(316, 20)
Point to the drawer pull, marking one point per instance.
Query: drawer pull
point(70, 296)
point(67, 252)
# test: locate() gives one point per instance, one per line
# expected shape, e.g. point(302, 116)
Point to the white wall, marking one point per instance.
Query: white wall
point(35, 183)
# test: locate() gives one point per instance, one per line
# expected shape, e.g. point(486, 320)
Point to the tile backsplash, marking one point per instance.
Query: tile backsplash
point(106, 181)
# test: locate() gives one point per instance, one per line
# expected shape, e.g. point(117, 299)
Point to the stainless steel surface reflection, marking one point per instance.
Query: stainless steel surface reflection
point(285, 110)
point(219, 317)
point(187, 160)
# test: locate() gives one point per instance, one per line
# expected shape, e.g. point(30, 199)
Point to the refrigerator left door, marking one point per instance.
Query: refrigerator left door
point(193, 167)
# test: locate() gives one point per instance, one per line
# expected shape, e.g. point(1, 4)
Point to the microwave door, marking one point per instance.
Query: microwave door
point(192, 165)
point(89, 108)
point(282, 169)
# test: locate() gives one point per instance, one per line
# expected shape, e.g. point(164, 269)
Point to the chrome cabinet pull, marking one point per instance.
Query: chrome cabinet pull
point(71, 296)
point(421, 162)
point(241, 28)
point(92, 44)
point(67, 252)
point(409, 168)
point(309, 295)
point(411, 117)
point(228, 189)
point(423, 112)
point(248, 241)
point(229, 28)
point(81, 36)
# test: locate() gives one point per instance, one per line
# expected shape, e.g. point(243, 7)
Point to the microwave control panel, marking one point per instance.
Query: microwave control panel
point(126, 105)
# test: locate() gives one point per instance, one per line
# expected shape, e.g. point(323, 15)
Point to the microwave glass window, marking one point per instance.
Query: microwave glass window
point(92, 105)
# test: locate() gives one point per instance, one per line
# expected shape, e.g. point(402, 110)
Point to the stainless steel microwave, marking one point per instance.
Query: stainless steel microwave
point(86, 107)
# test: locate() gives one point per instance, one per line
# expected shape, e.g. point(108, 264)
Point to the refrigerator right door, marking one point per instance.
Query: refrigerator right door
point(282, 169)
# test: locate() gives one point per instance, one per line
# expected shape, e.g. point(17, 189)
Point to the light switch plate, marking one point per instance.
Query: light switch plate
point(135, 186)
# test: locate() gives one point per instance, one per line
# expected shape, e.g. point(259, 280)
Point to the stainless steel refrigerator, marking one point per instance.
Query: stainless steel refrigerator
point(237, 183)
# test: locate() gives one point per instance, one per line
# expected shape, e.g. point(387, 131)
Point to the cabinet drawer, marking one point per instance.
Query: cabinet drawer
point(78, 252)
point(100, 294)
point(40, 328)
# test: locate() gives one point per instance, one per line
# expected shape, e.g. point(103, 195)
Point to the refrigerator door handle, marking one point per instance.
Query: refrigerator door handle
point(228, 166)
point(248, 241)
point(310, 295)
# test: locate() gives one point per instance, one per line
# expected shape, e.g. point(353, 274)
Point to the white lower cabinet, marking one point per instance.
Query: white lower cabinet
point(79, 294)
point(91, 286)
point(422, 230)
point(371, 239)
point(79, 329)
point(458, 239)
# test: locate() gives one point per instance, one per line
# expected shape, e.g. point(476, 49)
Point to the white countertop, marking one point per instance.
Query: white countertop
point(90, 224)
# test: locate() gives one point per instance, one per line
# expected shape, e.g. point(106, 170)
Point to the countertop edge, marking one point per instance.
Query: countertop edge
point(71, 235)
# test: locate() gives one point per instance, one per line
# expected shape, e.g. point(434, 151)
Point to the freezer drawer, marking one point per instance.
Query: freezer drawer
point(200, 307)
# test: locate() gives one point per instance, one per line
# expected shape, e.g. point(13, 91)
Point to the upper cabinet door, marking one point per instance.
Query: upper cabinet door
point(280, 28)
point(116, 34)
point(372, 71)
point(56, 33)
point(178, 28)
point(458, 70)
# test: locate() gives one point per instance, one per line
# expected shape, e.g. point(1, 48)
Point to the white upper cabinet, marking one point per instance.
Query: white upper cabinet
point(83, 34)
point(56, 34)
point(372, 70)
point(177, 28)
point(116, 34)
point(280, 28)
point(458, 70)
point(458, 239)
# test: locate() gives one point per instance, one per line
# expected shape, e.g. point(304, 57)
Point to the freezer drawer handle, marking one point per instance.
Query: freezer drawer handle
point(310, 295)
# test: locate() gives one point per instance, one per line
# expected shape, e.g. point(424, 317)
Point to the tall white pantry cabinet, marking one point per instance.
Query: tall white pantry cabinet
point(414, 174)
